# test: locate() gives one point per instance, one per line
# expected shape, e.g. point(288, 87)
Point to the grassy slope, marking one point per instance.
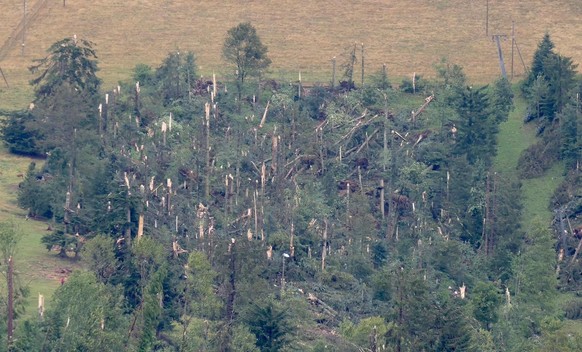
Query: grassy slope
point(408, 35)
point(36, 268)
point(514, 137)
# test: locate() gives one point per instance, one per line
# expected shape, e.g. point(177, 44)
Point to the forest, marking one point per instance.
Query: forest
point(244, 213)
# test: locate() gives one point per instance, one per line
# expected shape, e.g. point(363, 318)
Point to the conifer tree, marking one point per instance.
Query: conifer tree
point(544, 50)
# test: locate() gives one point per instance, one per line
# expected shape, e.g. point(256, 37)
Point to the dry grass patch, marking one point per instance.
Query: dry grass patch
point(408, 35)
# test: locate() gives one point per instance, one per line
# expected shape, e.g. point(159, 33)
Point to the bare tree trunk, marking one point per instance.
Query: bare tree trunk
point(382, 200)
point(207, 180)
point(321, 150)
point(274, 147)
point(486, 216)
point(128, 225)
point(231, 297)
point(324, 246)
point(140, 227)
point(10, 318)
point(363, 65)
point(374, 340)
point(576, 253)
point(291, 240)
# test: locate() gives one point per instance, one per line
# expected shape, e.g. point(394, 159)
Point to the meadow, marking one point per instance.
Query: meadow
point(407, 35)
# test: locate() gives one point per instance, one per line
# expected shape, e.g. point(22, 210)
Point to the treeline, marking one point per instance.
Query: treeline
point(255, 215)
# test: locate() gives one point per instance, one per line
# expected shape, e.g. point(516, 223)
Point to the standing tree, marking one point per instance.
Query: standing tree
point(85, 315)
point(70, 61)
point(245, 51)
point(176, 76)
point(66, 88)
point(544, 50)
point(9, 239)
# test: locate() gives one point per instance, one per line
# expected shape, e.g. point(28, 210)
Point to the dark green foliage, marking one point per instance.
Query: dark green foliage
point(476, 127)
point(559, 72)
point(17, 138)
point(535, 283)
point(502, 99)
point(414, 313)
point(31, 337)
point(99, 253)
point(407, 85)
point(506, 233)
point(176, 77)
point(85, 316)
point(59, 241)
point(71, 62)
point(455, 329)
point(549, 87)
point(573, 310)
point(538, 158)
point(539, 98)
point(270, 323)
point(485, 299)
point(571, 143)
point(34, 194)
point(544, 50)
point(222, 200)
point(65, 97)
point(380, 79)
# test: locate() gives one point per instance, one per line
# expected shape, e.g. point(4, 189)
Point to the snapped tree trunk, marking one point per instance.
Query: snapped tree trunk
point(10, 308)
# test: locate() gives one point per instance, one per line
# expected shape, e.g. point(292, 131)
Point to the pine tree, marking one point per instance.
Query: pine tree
point(545, 49)
point(571, 137)
point(476, 129)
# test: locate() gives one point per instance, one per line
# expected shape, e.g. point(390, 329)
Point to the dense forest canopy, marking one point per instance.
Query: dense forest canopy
point(276, 216)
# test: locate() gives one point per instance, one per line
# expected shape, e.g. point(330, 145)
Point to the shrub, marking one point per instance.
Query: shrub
point(537, 159)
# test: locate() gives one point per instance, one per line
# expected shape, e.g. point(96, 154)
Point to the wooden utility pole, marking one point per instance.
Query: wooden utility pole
point(497, 39)
point(23, 25)
point(487, 20)
point(520, 57)
point(512, 45)
point(362, 64)
point(333, 73)
point(4, 77)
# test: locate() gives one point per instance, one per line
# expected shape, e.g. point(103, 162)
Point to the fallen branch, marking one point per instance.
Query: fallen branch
point(359, 148)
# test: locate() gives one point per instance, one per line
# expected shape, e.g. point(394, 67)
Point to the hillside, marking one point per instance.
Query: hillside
point(408, 35)
point(338, 219)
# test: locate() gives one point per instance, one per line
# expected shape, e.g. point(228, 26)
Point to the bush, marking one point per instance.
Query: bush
point(407, 87)
point(17, 137)
point(338, 280)
point(573, 310)
point(537, 159)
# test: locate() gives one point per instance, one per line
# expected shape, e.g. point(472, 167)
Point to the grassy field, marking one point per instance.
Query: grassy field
point(514, 137)
point(35, 267)
point(408, 35)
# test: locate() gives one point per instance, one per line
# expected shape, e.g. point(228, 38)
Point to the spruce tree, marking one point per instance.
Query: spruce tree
point(545, 48)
